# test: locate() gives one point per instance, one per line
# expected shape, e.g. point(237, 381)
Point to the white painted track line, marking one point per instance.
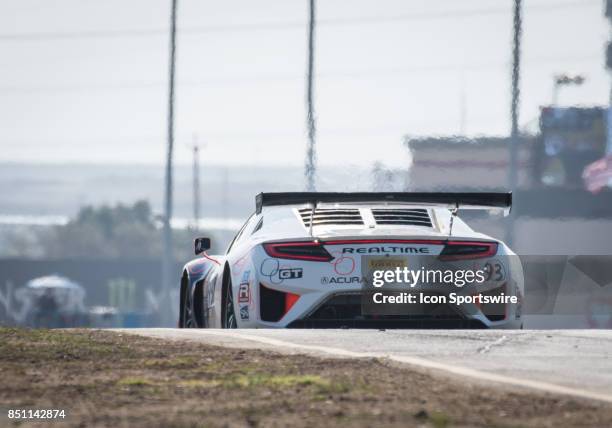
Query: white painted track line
point(302, 342)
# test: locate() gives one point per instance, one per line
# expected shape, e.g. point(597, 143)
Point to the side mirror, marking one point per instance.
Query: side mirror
point(201, 245)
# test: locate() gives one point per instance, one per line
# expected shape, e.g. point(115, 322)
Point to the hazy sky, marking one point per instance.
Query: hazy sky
point(85, 80)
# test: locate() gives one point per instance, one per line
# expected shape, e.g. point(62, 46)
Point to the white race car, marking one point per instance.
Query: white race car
point(303, 260)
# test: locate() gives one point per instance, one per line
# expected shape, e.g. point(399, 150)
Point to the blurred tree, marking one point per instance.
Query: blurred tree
point(20, 241)
point(120, 231)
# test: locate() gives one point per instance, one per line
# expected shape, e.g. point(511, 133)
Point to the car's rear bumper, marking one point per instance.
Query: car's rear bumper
point(345, 310)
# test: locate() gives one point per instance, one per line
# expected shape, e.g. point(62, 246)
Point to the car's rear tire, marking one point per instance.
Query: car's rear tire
point(181, 320)
point(189, 318)
point(229, 318)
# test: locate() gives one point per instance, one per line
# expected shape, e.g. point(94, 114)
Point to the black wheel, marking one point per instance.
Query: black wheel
point(189, 319)
point(230, 315)
point(181, 319)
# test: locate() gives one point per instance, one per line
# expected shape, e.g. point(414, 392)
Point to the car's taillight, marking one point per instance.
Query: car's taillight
point(312, 251)
point(467, 250)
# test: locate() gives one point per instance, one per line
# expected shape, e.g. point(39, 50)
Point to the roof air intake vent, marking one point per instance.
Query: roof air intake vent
point(331, 217)
point(405, 217)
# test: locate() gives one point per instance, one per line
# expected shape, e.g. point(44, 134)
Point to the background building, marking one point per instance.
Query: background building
point(554, 213)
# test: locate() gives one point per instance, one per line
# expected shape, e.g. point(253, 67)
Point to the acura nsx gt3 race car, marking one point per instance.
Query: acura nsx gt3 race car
point(302, 260)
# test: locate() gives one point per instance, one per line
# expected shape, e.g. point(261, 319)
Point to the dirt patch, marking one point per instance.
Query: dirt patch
point(110, 379)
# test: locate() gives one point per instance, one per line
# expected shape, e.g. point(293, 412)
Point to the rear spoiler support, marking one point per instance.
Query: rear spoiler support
point(454, 212)
point(312, 213)
point(450, 200)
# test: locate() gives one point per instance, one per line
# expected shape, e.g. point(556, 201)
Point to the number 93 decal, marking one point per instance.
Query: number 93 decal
point(495, 271)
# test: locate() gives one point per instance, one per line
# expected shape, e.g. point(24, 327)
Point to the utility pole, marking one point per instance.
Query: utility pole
point(196, 183)
point(514, 110)
point(310, 167)
point(167, 258)
point(608, 14)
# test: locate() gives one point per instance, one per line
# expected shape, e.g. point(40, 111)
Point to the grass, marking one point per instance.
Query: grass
point(320, 384)
point(182, 361)
point(439, 420)
point(44, 343)
point(199, 384)
point(110, 379)
point(135, 381)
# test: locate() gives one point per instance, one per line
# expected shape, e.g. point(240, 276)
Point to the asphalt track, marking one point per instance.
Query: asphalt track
point(569, 362)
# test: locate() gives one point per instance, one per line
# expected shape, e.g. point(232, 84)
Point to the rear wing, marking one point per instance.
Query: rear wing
point(450, 200)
